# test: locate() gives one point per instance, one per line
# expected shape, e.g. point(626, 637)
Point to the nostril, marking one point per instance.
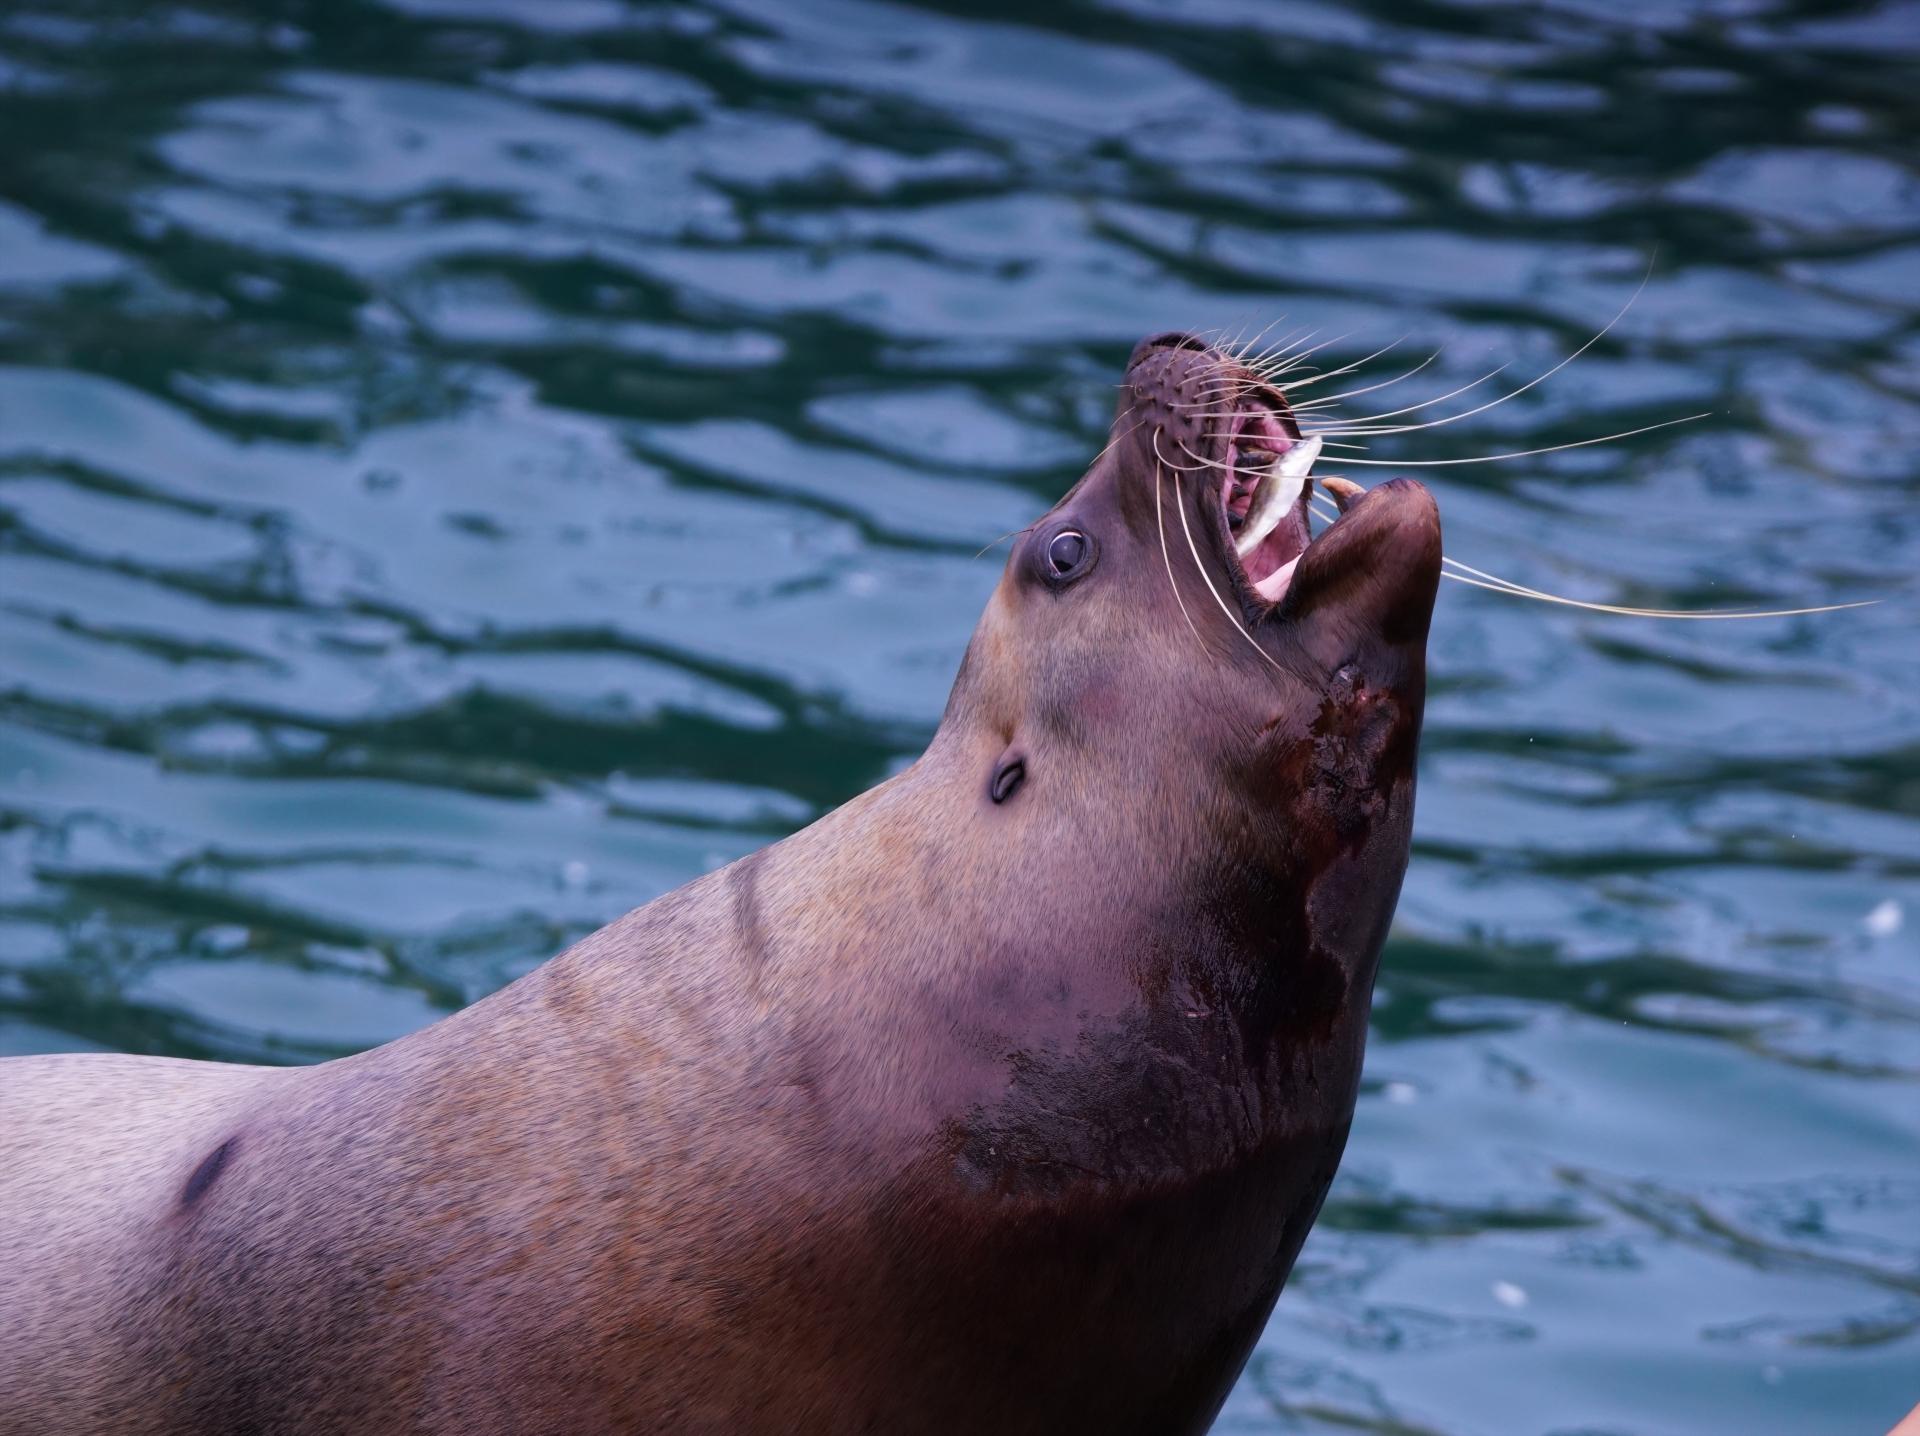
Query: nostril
point(1172, 339)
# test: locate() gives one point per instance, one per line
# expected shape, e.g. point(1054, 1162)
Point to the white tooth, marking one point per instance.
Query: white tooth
point(1342, 491)
point(1278, 494)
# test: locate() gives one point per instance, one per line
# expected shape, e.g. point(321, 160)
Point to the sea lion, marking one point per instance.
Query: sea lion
point(999, 1099)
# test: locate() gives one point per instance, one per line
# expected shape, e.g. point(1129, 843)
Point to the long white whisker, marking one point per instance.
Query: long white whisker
point(1160, 522)
point(1348, 368)
point(1542, 378)
point(1279, 348)
point(1373, 388)
point(1210, 393)
point(1116, 439)
point(1267, 369)
point(1262, 334)
point(1302, 357)
point(1239, 335)
point(1521, 591)
point(1429, 403)
point(1010, 533)
point(1493, 583)
point(1517, 454)
point(1270, 364)
point(1265, 356)
point(1198, 460)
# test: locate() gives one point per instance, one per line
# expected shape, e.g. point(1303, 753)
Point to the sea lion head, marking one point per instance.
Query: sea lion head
point(1180, 699)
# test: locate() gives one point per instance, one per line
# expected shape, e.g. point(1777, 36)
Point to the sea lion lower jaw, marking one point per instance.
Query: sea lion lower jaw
point(999, 1099)
point(1375, 571)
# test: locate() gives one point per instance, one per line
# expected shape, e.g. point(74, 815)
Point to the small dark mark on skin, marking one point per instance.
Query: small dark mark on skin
point(1007, 779)
point(204, 1174)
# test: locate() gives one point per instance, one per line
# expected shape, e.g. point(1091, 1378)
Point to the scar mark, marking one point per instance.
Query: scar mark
point(204, 1174)
point(746, 911)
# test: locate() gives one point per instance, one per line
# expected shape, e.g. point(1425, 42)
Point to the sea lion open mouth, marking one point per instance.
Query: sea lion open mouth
point(1223, 441)
point(1265, 491)
point(1266, 483)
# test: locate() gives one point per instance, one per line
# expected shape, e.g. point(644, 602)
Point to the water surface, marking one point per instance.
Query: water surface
point(467, 467)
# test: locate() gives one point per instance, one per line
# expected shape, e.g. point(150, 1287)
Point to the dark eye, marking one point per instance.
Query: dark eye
point(1066, 551)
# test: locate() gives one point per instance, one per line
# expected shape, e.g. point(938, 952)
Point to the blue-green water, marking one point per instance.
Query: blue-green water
point(469, 466)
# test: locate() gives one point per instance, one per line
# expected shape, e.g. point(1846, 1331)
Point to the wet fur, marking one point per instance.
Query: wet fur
point(941, 1115)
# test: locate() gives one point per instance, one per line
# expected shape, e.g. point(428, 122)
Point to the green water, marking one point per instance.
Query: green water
point(467, 467)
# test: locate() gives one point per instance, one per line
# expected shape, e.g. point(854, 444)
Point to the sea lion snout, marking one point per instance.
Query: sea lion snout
point(1175, 384)
point(1216, 471)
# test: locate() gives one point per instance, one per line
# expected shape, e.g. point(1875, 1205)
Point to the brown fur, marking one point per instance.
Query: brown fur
point(942, 1115)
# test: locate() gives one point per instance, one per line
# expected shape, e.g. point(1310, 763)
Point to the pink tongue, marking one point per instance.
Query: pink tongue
point(1274, 585)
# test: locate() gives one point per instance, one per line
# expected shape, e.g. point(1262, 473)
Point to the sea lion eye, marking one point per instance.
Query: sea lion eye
point(1066, 552)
